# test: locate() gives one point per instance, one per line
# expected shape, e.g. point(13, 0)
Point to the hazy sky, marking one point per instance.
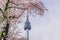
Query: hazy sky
point(48, 26)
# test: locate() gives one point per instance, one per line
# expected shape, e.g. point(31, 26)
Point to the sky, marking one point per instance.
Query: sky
point(48, 26)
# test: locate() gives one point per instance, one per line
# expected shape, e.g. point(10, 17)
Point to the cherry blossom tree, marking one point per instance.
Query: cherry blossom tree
point(12, 12)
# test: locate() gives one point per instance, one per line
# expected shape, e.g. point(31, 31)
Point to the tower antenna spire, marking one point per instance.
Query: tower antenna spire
point(27, 16)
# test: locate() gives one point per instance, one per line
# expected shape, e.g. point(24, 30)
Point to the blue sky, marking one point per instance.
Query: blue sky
point(48, 26)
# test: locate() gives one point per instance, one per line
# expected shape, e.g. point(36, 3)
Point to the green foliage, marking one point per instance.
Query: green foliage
point(1, 10)
point(1, 16)
point(0, 35)
point(1, 19)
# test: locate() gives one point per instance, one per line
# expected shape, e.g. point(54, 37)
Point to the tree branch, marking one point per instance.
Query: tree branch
point(7, 5)
point(18, 8)
point(20, 15)
point(17, 4)
point(17, 16)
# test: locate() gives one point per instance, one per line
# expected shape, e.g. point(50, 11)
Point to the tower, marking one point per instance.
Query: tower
point(27, 27)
